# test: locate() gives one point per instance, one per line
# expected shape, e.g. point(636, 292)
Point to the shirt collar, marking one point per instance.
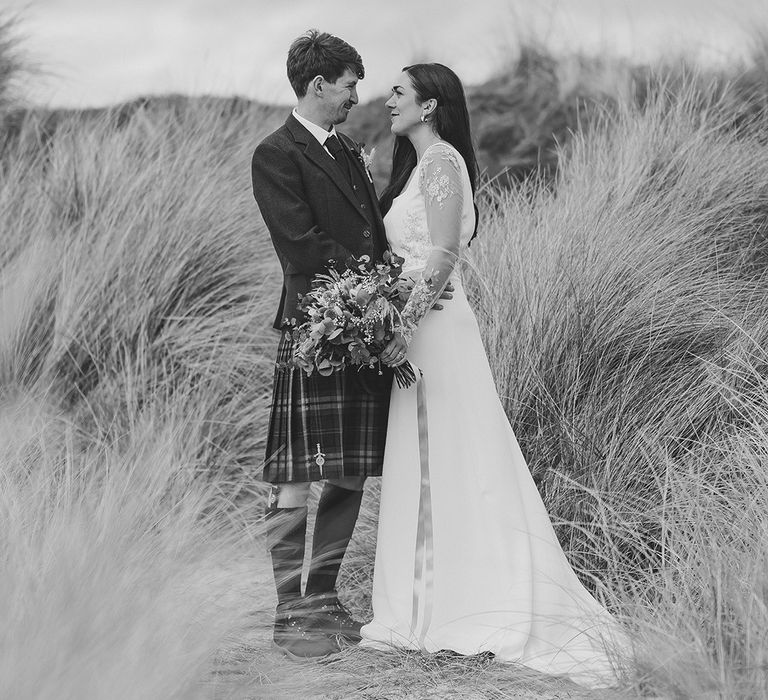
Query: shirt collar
point(317, 131)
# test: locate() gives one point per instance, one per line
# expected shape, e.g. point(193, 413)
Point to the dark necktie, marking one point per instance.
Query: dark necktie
point(335, 148)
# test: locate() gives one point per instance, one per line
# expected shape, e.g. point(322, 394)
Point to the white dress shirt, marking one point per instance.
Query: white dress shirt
point(317, 131)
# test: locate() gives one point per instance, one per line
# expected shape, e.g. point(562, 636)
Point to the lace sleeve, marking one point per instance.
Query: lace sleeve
point(441, 185)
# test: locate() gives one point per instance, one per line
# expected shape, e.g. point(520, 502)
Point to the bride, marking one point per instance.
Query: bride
point(467, 559)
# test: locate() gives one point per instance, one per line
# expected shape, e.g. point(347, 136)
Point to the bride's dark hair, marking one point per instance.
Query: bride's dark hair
point(450, 121)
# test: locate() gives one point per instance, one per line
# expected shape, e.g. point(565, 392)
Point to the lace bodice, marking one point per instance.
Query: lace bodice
point(440, 175)
point(429, 223)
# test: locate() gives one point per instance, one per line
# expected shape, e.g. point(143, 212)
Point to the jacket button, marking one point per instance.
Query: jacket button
point(362, 206)
point(366, 233)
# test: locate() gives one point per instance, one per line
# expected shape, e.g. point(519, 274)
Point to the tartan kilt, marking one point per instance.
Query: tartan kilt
point(325, 427)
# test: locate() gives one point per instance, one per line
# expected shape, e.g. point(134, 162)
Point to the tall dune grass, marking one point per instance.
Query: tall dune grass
point(645, 262)
point(623, 308)
point(135, 354)
point(139, 246)
point(624, 312)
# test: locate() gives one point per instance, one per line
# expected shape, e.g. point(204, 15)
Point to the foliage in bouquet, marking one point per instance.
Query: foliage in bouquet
point(351, 316)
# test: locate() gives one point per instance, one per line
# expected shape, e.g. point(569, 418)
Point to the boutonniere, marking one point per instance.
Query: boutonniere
point(366, 159)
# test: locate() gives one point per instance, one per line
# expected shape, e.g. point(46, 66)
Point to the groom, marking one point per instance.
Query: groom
point(320, 206)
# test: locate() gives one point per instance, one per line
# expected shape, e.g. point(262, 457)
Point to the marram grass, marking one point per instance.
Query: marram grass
point(623, 310)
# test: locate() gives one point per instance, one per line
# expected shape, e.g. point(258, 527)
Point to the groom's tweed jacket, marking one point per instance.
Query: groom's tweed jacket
point(313, 211)
point(318, 209)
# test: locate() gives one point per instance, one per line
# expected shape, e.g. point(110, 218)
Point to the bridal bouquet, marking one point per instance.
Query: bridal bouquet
point(351, 317)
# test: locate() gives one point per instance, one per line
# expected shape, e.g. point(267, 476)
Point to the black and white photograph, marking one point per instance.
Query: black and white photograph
point(383, 350)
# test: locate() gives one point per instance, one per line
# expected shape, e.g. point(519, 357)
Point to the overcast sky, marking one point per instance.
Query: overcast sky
point(97, 52)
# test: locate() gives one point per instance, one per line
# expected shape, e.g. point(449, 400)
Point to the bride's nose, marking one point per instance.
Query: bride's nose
point(390, 102)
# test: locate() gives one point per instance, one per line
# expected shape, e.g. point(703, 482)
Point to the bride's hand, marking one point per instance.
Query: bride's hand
point(447, 293)
point(395, 352)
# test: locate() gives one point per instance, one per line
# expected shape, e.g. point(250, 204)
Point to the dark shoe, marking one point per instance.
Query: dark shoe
point(330, 617)
point(297, 637)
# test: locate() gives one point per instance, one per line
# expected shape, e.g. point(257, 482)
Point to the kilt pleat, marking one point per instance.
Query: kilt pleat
point(324, 427)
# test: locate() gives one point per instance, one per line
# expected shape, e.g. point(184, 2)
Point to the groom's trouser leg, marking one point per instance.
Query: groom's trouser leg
point(295, 632)
point(337, 513)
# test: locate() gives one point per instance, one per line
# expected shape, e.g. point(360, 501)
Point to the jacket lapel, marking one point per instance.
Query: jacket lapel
point(318, 155)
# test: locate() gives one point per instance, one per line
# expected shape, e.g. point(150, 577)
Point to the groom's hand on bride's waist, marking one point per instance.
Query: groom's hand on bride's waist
point(447, 294)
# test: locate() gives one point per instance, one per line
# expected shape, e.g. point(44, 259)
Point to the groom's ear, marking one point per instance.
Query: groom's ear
point(316, 84)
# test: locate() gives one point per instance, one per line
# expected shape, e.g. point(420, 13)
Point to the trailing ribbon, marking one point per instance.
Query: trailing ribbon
point(424, 561)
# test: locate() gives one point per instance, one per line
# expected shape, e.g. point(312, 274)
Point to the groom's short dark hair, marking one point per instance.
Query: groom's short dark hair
point(319, 53)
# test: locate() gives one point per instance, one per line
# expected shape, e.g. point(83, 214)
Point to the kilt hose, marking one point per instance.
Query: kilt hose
point(325, 427)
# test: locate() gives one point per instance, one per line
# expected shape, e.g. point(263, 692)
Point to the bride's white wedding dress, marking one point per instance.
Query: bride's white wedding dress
point(467, 558)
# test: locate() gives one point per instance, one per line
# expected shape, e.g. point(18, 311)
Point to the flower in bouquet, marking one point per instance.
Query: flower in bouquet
point(351, 316)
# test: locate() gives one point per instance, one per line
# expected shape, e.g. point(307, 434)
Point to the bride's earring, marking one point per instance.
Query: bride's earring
point(423, 117)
